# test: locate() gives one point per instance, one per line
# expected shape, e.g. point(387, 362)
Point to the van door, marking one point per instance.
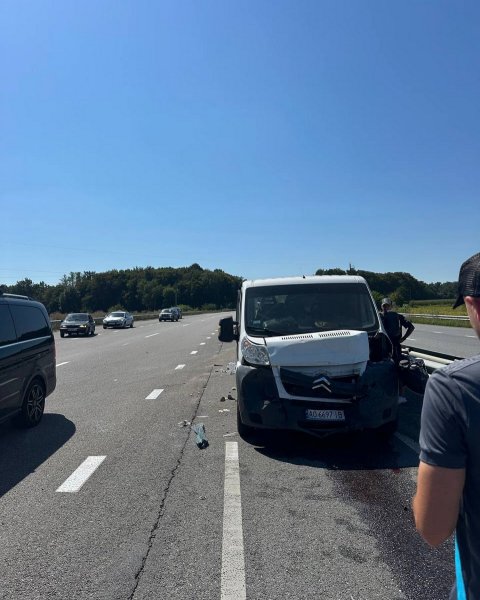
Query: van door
point(10, 364)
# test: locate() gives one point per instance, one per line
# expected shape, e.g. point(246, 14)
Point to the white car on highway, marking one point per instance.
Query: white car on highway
point(118, 319)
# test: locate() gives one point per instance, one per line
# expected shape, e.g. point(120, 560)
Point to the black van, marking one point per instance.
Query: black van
point(27, 359)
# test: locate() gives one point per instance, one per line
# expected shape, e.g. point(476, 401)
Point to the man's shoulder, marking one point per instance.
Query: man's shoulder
point(465, 365)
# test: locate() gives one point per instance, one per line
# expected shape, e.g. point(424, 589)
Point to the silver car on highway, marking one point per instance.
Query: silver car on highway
point(118, 318)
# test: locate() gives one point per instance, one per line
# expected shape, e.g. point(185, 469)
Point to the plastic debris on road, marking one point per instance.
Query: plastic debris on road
point(230, 397)
point(200, 440)
point(184, 423)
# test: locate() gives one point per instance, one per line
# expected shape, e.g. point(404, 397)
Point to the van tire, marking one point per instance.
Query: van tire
point(33, 405)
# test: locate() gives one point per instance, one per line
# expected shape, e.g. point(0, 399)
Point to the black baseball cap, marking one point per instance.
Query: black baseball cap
point(469, 279)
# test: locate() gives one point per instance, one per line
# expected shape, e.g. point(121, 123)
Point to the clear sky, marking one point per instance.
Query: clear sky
point(262, 137)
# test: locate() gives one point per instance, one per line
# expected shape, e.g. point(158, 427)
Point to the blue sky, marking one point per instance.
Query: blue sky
point(264, 138)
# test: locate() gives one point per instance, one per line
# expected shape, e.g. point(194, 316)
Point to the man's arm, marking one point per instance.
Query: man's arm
point(437, 501)
point(408, 325)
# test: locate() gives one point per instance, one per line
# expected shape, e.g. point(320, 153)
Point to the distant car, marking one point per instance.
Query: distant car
point(77, 323)
point(119, 318)
point(168, 314)
point(179, 311)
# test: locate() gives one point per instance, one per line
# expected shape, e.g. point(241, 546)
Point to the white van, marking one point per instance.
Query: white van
point(313, 356)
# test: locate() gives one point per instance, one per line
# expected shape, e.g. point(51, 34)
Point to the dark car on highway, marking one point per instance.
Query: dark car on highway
point(168, 314)
point(27, 359)
point(77, 323)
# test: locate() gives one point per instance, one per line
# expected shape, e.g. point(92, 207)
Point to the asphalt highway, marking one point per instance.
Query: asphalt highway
point(111, 498)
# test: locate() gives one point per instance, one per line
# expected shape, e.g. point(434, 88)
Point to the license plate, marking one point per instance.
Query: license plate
point(314, 414)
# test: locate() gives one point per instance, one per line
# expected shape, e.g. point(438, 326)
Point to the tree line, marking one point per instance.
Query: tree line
point(400, 287)
point(150, 289)
point(135, 290)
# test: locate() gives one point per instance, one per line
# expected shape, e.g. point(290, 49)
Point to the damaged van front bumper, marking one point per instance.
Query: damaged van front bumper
point(309, 401)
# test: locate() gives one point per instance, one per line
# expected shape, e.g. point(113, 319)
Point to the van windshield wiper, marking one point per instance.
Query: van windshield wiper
point(264, 331)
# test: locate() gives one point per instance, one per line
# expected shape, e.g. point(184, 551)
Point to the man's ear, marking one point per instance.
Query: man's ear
point(473, 302)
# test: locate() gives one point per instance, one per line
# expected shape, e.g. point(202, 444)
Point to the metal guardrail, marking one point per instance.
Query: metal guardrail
point(433, 360)
point(445, 317)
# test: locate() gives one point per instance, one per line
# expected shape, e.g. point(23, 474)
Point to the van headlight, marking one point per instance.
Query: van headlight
point(254, 354)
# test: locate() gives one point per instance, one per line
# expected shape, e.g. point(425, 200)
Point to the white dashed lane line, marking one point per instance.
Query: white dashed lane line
point(202, 343)
point(154, 395)
point(63, 363)
point(178, 367)
point(152, 334)
point(80, 475)
point(233, 561)
point(194, 352)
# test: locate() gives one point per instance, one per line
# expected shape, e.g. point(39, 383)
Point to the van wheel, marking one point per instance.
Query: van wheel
point(33, 405)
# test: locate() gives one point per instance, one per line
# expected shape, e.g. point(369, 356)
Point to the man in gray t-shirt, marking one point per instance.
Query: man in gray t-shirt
point(448, 486)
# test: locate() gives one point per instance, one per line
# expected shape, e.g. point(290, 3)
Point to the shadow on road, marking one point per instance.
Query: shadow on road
point(357, 451)
point(360, 451)
point(22, 451)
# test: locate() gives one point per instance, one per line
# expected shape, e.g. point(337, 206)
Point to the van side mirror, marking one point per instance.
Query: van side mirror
point(227, 331)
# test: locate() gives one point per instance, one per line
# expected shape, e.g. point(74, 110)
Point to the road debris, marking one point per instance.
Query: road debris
point(230, 397)
point(201, 439)
point(222, 399)
point(184, 423)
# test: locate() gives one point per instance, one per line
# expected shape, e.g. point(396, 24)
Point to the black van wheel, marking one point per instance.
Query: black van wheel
point(33, 405)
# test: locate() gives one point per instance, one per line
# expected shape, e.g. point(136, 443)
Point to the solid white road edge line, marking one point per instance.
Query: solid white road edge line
point(154, 395)
point(408, 442)
point(80, 475)
point(233, 561)
point(63, 363)
point(179, 367)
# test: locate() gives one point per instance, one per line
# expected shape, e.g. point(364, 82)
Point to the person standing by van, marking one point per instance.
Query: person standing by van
point(448, 482)
point(394, 324)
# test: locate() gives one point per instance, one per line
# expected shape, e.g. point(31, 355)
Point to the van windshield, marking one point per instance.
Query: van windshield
point(307, 308)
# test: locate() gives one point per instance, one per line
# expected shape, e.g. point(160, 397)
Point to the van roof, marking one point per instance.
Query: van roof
point(303, 280)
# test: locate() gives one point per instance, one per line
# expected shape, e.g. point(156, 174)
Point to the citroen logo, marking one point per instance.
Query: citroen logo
point(322, 382)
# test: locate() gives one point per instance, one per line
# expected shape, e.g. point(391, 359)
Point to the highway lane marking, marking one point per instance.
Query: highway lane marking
point(438, 332)
point(63, 363)
point(179, 367)
point(412, 340)
point(82, 474)
point(126, 344)
point(154, 395)
point(408, 442)
point(202, 343)
point(194, 352)
point(152, 334)
point(186, 324)
point(471, 336)
point(233, 560)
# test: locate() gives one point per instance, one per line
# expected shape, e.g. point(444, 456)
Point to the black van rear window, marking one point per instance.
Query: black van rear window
point(7, 330)
point(30, 322)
